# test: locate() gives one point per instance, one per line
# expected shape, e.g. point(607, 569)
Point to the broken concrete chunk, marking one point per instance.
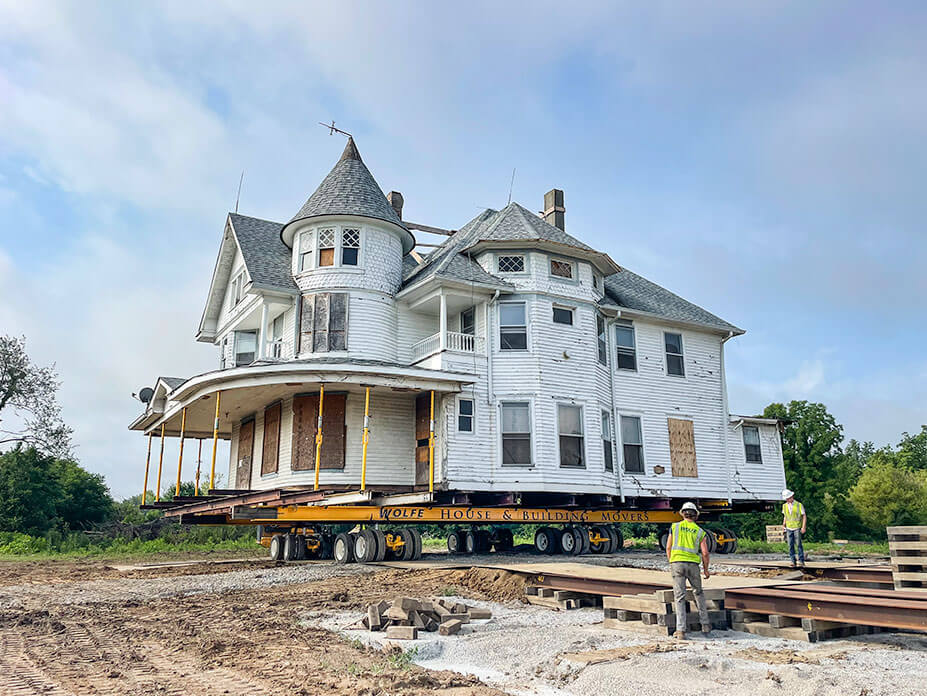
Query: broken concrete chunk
point(374, 621)
point(476, 613)
point(397, 614)
point(402, 632)
point(450, 627)
point(407, 604)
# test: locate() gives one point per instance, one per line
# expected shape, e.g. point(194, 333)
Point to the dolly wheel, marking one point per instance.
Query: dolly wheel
point(407, 550)
point(417, 544)
point(276, 547)
point(468, 541)
point(569, 541)
point(453, 543)
point(381, 545)
point(603, 540)
point(365, 546)
point(343, 548)
point(664, 539)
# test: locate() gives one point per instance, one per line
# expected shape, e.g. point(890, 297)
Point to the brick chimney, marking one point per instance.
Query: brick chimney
point(553, 208)
point(395, 200)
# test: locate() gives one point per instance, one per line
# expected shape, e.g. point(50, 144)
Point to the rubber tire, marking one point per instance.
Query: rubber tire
point(343, 548)
point(712, 541)
point(468, 541)
point(582, 536)
point(505, 541)
point(289, 547)
point(365, 547)
point(483, 541)
point(604, 547)
point(276, 547)
point(453, 543)
point(417, 539)
point(407, 552)
point(302, 553)
point(326, 548)
point(728, 547)
point(664, 538)
point(569, 541)
point(612, 540)
point(381, 545)
point(542, 541)
point(619, 539)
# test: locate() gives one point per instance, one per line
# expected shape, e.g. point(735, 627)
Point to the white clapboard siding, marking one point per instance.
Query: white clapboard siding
point(756, 481)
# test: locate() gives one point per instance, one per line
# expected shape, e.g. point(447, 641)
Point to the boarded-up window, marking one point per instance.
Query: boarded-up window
point(682, 447)
point(327, 247)
point(305, 427)
point(271, 448)
point(245, 452)
point(324, 322)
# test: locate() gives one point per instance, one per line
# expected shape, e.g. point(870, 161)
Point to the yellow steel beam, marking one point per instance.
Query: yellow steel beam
point(183, 427)
point(215, 443)
point(431, 445)
point(318, 436)
point(160, 462)
point(199, 460)
point(462, 514)
point(147, 463)
point(366, 438)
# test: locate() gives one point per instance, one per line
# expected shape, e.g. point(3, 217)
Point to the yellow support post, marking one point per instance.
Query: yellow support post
point(318, 436)
point(431, 446)
point(160, 462)
point(199, 460)
point(183, 427)
point(366, 438)
point(147, 463)
point(215, 442)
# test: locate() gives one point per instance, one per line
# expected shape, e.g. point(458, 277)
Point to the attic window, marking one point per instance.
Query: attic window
point(327, 247)
point(561, 269)
point(350, 246)
point(238, 284)
point(596, 282)
point(512, 264)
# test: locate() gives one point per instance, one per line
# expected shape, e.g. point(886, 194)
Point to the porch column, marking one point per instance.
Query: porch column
point(442, 345)
point(262, 347)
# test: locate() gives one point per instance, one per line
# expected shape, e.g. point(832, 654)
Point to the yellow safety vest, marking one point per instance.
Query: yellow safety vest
point(687, 541)
point(793, 516)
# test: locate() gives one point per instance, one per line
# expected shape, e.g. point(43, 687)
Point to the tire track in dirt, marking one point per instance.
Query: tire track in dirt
point(18, 676)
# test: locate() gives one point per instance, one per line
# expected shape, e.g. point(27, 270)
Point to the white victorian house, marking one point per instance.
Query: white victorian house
point(557, 376)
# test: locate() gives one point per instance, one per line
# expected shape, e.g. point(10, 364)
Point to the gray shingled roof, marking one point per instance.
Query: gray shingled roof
point(631, 291)
point(267, 258)
point(349, 189)
point(515, 223)
point(173, 382)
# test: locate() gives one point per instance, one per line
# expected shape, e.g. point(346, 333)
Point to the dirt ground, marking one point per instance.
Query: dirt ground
point(257, 627)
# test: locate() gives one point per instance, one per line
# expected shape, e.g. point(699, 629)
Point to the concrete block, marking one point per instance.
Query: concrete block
point(450, 627)
point(402, 632)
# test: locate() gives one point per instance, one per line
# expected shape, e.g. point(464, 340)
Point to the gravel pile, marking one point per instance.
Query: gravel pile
point(143, 590)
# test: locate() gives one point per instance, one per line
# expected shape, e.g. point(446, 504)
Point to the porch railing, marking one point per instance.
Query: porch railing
point(456, 341)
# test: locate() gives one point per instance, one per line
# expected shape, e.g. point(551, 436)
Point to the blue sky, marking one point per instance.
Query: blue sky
point(764, 160)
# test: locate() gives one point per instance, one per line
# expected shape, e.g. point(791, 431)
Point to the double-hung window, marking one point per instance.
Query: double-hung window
point(752, 444)
point(276, 337)
point(326, 247)
point(516, 433)
point(675, 364)
point(513, 326)
point(601, 344)
point(563, 315)
point(632, 443)
point(561, 269)
point(306, 248)
point(465, 415)
point(350, 246)
point(625, 346)
point(570, 429)
point(245, 347)
point(468, 321)
point(607, 442)
point(237, 287)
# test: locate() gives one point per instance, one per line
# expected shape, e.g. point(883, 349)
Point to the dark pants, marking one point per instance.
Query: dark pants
point(794, 536)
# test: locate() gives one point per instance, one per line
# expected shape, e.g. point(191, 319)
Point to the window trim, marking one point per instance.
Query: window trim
point(307, 234)
point(527, 348)
point(666, 354)
point(601, 340)
point(563, 308)
point(460, 320)
point(524, 263)
point(342, 247)
point(619, 348)
point(606, 416)
point(237, 288)
point(235, 351)
point(472, 416)
point(643, 443)
point(759, 444)
point(517, 401)
point(582, 436)
point(338, 253)
point(560, 259)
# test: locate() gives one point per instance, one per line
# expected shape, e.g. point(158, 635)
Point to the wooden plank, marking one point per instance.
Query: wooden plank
point(334, 431)
point(918, 530)
point(761, 628)
point(780, 621)
point(639, 603)
point(245, 452)
point(907, 545)
point(271, 452)
point(305, 425)
point(682, 447)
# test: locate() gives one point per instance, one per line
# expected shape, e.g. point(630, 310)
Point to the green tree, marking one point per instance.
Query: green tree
point(29, 491)
point(912, 450)
point(814, 462)
point(85, 498)
point(889, 494)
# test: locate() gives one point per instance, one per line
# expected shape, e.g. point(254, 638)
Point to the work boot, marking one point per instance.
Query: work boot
point(706, 629)
point(680, 635)
point(794, 564)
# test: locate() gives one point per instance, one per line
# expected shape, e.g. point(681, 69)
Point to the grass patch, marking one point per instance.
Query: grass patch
point(878, 548)
point(402, 660)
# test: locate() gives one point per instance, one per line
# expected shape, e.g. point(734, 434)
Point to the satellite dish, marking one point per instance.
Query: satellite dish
point(145, 394)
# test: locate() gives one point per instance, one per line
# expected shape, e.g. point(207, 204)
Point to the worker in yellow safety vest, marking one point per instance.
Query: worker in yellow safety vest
point(795, 521)
point(686, 546)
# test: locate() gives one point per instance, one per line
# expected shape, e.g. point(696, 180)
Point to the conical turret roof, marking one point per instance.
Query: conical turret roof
point(349, 189)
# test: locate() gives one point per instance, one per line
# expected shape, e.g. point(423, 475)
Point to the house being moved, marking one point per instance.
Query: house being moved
point(513, 361)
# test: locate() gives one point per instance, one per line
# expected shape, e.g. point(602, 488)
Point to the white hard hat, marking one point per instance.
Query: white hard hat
point(786, 494)
point(688, 506)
